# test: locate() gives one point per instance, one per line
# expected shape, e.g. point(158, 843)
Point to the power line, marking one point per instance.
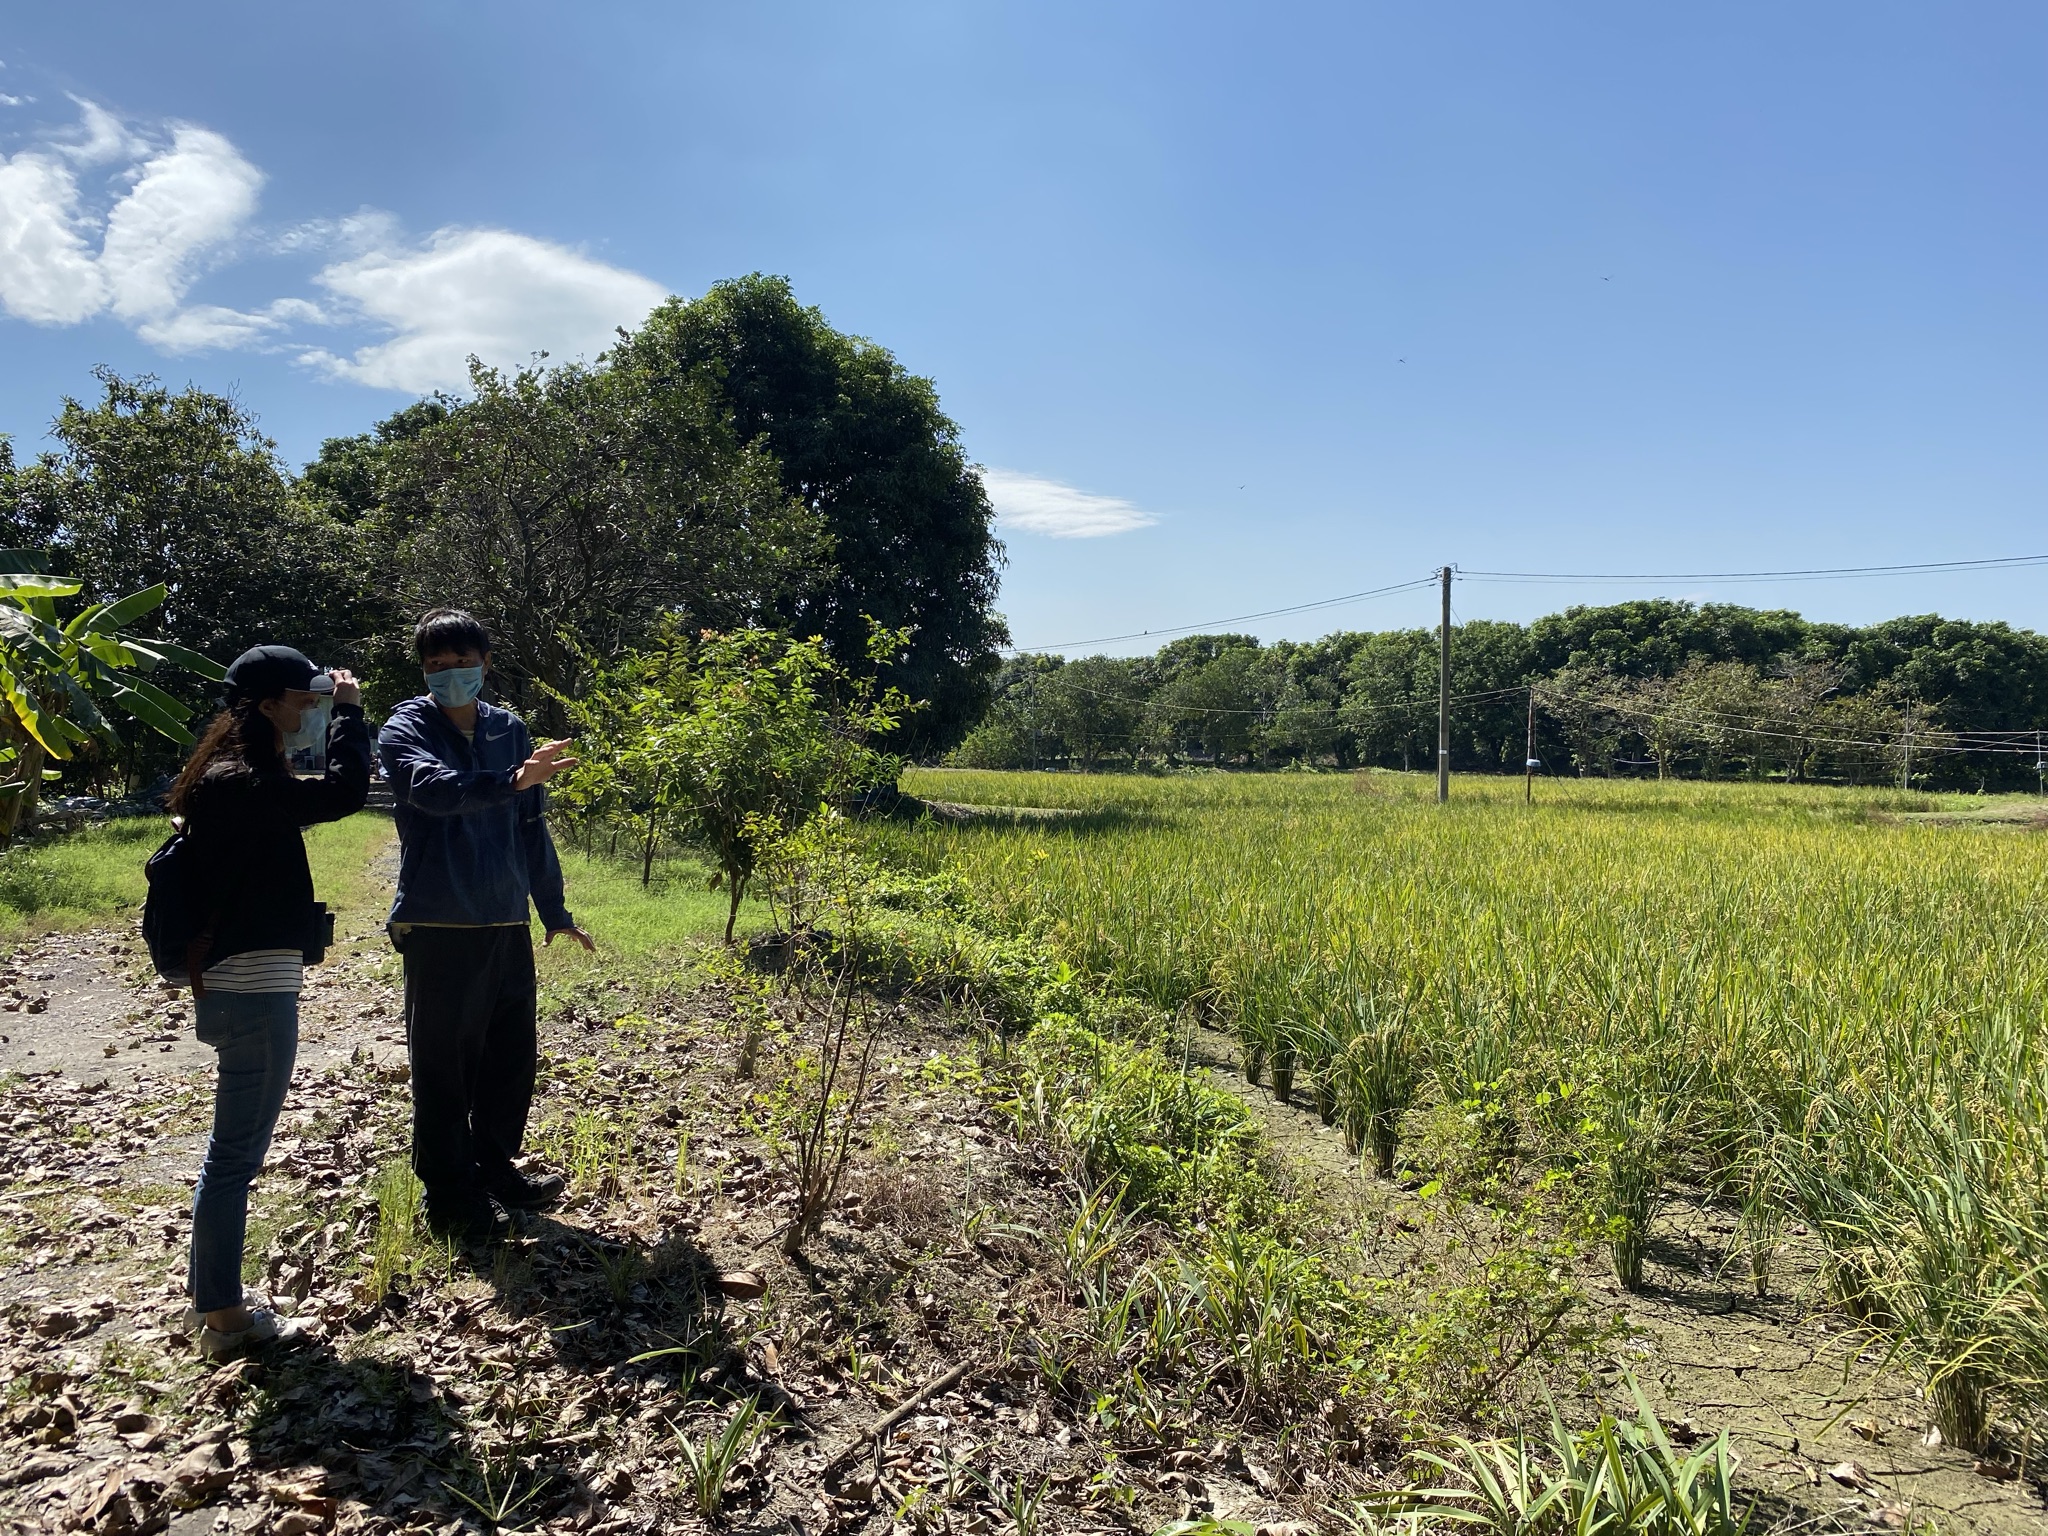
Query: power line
point(1417, 702)
point(1927, 743)
point(1208, 624)
point(1818, 573)
point(1814, 573)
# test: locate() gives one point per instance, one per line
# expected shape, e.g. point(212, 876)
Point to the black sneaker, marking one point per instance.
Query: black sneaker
point(479, 1222)
point(516, 1192)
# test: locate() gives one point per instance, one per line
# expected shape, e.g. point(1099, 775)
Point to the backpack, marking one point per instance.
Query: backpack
point(177, 920)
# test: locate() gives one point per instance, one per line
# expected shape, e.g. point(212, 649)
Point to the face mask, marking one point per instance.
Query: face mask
point(305, 750)
point(453, 687)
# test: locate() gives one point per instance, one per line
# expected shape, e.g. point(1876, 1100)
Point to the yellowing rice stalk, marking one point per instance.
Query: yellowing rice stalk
point(1795, 997)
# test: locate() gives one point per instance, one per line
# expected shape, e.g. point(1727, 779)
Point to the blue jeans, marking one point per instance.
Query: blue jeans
point(257, 1036)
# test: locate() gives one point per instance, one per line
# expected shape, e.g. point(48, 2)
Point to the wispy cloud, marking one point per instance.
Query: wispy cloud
point(187, 203)
point(486, 292)
point(1033, 504)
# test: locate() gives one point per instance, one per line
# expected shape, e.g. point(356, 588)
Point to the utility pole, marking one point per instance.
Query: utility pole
point(2040, 767)
point(1443, 697)
point(1529, 763)
point(1906, 774)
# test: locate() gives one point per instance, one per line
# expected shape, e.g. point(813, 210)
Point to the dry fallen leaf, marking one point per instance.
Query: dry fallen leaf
point(1849, 1474)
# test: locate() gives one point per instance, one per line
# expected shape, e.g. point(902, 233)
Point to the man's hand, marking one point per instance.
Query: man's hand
point(346, 689)
point(575, 933)
point(546, 762)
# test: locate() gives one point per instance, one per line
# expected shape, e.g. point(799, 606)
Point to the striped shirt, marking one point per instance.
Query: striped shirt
point(257, 970)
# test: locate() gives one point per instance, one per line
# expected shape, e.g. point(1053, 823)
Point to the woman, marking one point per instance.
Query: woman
point(244, 808)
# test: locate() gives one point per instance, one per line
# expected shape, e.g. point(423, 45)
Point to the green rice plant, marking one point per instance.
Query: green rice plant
point(1317, 1043)
point(1764, 1205)
point(1629, 1128)
point(1836, 975)
point(592, 1147)
point(1022, 1500)
point(497, 1487)
point(1266, 1306)
point(1939, 1257)
point(1376, 1079)
point(1089, 1245)
point(623, 1266)
point(708, 1463)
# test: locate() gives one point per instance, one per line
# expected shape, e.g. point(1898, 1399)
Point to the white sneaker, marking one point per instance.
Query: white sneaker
point(192, 1319)
point(265, 1327)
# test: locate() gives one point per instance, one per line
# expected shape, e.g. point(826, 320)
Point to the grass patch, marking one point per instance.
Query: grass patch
point(93, 877)
point(78, 879)
point(344, 856)
point(638, 926)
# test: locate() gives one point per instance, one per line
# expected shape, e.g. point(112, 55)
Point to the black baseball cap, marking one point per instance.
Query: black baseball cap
point(265, 671)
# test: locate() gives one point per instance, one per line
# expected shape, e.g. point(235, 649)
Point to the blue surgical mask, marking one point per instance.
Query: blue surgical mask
point(453, 687)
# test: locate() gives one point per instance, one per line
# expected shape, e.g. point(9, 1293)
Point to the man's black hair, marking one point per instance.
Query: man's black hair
point(449, 629)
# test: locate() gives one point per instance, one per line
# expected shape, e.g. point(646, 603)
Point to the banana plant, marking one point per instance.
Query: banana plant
point(64, 682)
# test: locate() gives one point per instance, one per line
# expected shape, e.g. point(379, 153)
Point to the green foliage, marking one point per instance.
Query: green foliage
point(1702, 690)
point(1778, 993)
point(151, 489)
point(1620, 1478)
point(865, 446)
point(61, 679)
point(709, 1464)
point(571, 507)
point(394, 1245)
point(1130, 1117)
point(725, 742)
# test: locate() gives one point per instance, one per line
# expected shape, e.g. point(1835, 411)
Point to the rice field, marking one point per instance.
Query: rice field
point(1802, 1001)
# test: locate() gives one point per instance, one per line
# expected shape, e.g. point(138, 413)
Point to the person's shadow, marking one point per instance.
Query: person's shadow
point(326, 1426)
point(334, 1423)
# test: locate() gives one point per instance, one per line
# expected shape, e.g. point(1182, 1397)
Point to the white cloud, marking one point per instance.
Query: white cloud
point(187, 200)
point(499, 295)
point(14, 101)
point(100, 138)
point(182, 203)
point(48, 273)
point(1037, 505)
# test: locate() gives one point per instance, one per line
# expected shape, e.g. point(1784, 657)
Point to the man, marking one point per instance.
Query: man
point(473, 848)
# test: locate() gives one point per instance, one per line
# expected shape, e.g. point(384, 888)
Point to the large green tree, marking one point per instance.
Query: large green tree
point(151, 487)
point(861, 442)
point(573, 508)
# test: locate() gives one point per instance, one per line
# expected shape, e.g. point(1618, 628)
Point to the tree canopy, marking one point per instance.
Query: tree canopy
point(1653, 686)
point(736, 464)
point(862, 443)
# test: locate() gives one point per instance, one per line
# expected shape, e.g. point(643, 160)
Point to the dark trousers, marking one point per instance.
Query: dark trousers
point(470, 1006)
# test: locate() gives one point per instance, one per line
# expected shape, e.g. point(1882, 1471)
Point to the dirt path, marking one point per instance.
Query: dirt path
point(1818, 1423)
point(552, 1384)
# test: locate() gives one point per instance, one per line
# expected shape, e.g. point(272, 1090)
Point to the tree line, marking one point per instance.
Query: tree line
point(734, 463)
point(1652, 687)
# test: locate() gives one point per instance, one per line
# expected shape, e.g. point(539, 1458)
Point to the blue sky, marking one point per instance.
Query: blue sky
point(1241, 306)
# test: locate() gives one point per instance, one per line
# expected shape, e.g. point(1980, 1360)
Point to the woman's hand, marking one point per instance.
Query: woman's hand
point(346, 689)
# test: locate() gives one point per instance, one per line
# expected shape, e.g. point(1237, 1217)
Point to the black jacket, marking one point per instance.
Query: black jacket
point(245, 829)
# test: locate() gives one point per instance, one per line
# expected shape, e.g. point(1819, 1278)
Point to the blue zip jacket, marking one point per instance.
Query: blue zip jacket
point(470, 850)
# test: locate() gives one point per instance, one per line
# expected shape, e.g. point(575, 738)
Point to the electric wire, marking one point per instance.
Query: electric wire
point(1208, 624)
point(1813, 573)
point(1818, 573)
